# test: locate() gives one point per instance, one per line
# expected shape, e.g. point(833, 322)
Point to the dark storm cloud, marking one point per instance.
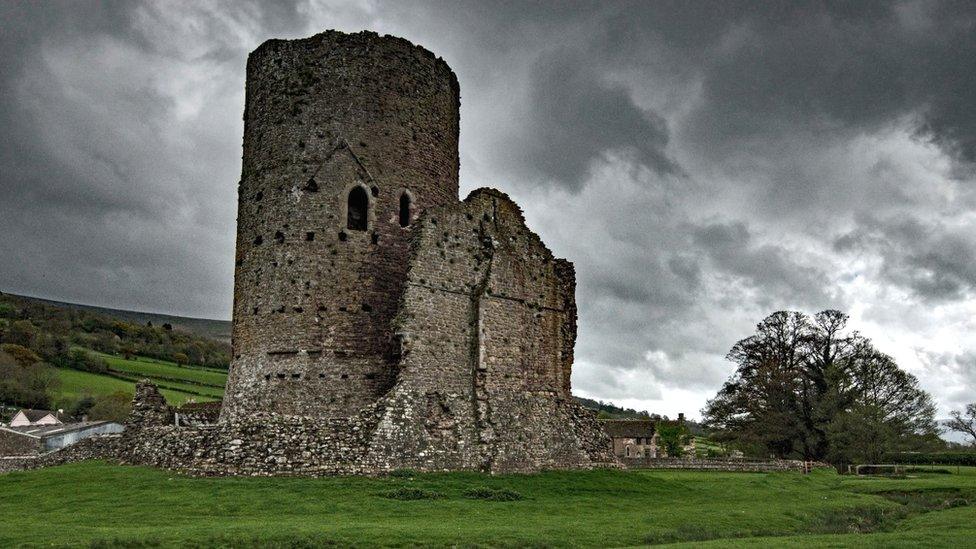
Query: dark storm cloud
point(702, 163)
point(103, 187)
point(936, 262)
point(766, 267)
point(574, 118)
point(841, 67)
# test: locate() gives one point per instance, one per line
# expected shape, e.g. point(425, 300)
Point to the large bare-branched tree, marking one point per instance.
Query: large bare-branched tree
point(809, 387)
point(964, 422)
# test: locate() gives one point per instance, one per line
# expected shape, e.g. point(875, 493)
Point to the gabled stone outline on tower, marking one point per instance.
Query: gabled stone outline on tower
point(340, 145)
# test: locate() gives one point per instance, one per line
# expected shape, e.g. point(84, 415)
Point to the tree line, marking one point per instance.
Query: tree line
point(52, 332)
point(36, 337)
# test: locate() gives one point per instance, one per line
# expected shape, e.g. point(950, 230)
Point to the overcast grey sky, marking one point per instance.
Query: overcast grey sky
point(703, 164)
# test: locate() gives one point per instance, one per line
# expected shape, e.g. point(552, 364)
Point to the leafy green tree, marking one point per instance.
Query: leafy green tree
point(29, 383)
point(810, 388)
point(113, 407)
point(673, 436)
point(21, 332)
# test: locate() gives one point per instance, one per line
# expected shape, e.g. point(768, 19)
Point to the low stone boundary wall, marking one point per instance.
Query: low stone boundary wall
point(740, 465)
point(16, 463)
point(96, 447)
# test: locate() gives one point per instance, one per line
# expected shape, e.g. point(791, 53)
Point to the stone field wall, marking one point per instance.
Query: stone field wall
point(731, 465)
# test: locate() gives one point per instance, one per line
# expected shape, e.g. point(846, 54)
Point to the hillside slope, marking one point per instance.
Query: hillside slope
point(202, 327)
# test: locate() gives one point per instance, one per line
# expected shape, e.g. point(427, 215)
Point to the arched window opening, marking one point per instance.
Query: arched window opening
point(357, 209)
point(404, 210)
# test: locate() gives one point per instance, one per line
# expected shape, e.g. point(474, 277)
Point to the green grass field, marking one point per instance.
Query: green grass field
point(101, 505)
point(75, 384)
point(177, 383)
point(150, 367)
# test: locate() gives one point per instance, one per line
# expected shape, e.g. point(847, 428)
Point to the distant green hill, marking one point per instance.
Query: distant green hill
point(202, 327)
point(82, 358)
point(610, 410)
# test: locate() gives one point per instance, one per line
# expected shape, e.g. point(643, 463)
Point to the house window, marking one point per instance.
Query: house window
point(404, 210)
point(357, 209)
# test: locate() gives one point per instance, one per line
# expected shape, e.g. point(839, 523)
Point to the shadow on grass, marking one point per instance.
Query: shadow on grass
point(226, 541)
point(855, 520)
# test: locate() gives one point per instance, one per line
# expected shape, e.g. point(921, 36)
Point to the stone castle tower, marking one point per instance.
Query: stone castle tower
point(380, 322)
point(347, 138)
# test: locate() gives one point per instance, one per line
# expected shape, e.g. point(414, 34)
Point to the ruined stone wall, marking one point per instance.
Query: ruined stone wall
point(487, 324)
point(441, 339)
point(313, 300)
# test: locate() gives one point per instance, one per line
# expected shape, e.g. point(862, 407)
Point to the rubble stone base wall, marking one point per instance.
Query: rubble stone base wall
point(16, 444)
point(406, 431)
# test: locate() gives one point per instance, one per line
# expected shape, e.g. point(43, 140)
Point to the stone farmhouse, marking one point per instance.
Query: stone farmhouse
point(632, 437)
point(638, 438)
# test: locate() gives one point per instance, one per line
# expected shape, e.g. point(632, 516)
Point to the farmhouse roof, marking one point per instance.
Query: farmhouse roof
point(628, 428)
point(35, 415)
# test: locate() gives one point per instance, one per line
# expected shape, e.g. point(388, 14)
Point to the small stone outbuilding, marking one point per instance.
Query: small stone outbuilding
point(632, 438)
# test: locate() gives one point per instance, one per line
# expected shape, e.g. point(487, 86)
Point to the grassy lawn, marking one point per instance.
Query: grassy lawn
point(150, 367)
point(104, 505)
point(75, 384)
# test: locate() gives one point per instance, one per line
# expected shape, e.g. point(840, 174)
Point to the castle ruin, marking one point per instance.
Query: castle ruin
point(379, 322)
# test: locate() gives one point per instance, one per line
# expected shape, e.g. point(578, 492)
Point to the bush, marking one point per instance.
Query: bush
point(113, 407)
point(80, 359)
point(23, 355)
point(492, 494)
point(927, 470)
point(81, 407)
point(410, 494)
point(403, 473)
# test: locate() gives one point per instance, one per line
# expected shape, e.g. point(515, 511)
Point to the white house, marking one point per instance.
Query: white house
point(26, 417)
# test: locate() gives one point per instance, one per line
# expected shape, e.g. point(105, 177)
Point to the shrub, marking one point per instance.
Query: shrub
point(23, 355)
point(492, 494)
point(113, 407)
point(403, 473)
point(685, 532)
point(409, 494)
point(81, 359)
point(937, 471)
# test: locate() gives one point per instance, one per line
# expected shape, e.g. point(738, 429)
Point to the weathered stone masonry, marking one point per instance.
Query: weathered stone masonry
point(313, 298)
point(379, 322)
